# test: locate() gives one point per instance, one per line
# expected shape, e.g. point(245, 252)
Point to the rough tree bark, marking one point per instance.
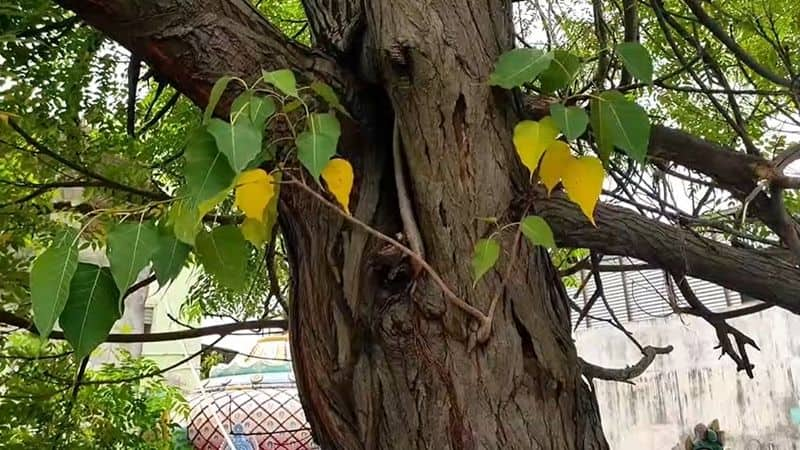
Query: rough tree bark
point(383, 361)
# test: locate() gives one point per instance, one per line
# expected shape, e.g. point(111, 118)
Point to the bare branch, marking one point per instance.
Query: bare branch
point(628, 373)
point(224, 329)
point(623, 232)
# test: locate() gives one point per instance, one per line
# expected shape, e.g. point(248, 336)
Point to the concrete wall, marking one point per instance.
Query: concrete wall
point(164, 301)
point(692, 385)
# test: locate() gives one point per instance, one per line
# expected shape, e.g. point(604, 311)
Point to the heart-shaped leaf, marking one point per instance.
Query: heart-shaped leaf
point(555, 161)
point(338, 176)
point(223, 253)
point(91, 310)
point(50, 277)
point(538, 231)
point(583, 180)
point(519, 66)
point(484, 257)
point(282, 79)
point(637, 60)
point(254, 190)
point(239, 142)
point(130, 247)
point(532, 138)
point(571, 120)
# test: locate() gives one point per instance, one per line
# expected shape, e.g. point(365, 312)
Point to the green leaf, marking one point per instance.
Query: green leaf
point(317, 144)
point(637, 60)
point(601, 129)
point(537, 231)
point(292, 105)
point(169, 257)
point(283, 80)
point(240, 142)
point(206, 170)
point(185, 220)
point(329, 95)
point(571, 120)
point(519, 66)
point(213, 98)
point(261, 109)
point(561, 72)
point(241, 106)
point(626, 123)
point(484, 258)
point(91, 310)
point(50, 277)
point(223, 253)
point(130, 246)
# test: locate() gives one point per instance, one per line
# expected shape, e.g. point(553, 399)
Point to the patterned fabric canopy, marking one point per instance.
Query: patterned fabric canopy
point(254, 400)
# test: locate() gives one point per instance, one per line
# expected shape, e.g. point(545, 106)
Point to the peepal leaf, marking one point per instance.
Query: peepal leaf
point(623, 122)
point(169, 257)
point(261, 109)
point(338, 175)
point(601, 128)
point(50, 277)
point(223, 253)
point(216, 93)
point(91, 309)
point(637, 60)
point(537, 231)
point(254, 190)
point(185, 220)
point(519, 66)
point(532, 138)
point(254, 231)
point(206, 170)
point(282, 79)
point(554, 162)
point(257, 232)
point(239, 142)
point(329, 95)
point(561, 71)
point(583, 180)
point(317, 144)
point(130, 246)
point(484, 258)
point(571, 120)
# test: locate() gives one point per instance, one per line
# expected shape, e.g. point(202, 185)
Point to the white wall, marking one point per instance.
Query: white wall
point(693, 385)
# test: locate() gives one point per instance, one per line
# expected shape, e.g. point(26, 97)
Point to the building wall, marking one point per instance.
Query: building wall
point(693, 385)
point(164, 302)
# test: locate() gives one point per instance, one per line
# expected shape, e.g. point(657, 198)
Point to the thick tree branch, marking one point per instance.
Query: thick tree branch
point(649, 354)
point(193, 43)
point(623, 232)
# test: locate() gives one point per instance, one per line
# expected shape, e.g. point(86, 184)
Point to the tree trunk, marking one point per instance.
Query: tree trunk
point(382, 359)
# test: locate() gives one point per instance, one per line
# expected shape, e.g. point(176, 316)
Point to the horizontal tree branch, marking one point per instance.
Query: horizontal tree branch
point(628, 373)
point(623, 232)
point(192, 43)
point(219, 330)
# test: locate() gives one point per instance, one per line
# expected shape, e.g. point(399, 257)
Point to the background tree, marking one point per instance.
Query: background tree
point(396, 344)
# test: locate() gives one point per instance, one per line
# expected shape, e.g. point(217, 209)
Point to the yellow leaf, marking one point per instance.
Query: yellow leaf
point(583, 180)
point(254, 231)
point(254, 190)
point(554, 163)
point(338, 175)
point(532, 138)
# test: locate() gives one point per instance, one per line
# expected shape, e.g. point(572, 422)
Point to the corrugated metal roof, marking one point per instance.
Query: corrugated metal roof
point(643, 294)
